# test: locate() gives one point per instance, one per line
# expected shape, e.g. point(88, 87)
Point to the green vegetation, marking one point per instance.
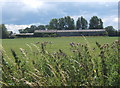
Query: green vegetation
point(3, 32)
point(81, 23)
point(95, 23)
point(62, 61)
point(111, 31)
point(67, 23)
point(57, 42)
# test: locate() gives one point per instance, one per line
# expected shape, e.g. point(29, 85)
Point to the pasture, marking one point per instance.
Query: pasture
point(56, 42)
point(35, 62)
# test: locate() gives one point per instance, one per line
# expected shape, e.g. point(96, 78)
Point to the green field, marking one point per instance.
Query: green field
point(57, 42)
point(61, 61)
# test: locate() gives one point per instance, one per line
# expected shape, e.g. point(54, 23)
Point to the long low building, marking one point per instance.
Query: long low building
point(91, 32)
point(55, 33)
point(24, 35)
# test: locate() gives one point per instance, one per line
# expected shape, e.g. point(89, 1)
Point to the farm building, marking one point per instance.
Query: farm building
point(55, 33)
point(97, 32)
point(24, 35)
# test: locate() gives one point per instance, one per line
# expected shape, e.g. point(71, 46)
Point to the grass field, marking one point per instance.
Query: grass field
point(57, 42)
point(36, 62)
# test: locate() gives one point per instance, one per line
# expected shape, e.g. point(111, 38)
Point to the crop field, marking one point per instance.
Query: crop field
point(61, 61)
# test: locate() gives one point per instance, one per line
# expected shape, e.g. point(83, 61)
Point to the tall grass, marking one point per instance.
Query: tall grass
point(84, 67)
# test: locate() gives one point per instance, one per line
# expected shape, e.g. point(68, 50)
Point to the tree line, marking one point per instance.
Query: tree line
point(67, 23)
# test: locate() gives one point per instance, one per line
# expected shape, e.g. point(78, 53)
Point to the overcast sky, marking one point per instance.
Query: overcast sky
point(17, 15)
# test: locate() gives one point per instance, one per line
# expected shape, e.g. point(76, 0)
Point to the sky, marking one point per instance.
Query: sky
point(24, 13)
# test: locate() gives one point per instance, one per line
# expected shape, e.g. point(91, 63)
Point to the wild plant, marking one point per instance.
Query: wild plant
point(36, 66)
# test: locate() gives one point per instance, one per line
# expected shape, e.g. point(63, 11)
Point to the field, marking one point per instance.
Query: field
point(56, 43)
point(52, 61)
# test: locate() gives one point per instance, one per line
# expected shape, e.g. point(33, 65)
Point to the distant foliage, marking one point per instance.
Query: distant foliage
point(111, 31)
point(81, 23)
point(66, 23)
point(3, 32)
point(95, 23)
point(84, 67)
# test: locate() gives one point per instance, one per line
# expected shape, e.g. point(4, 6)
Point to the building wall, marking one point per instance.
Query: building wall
point(81, 33)
point(55, 34)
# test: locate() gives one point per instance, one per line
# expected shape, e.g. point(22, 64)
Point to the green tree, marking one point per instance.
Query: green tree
point(100, 24)
point(81, 23)
point(28, 30)
point(32, 29)
point(47, 27)
point(69, 23)
point(61, 24)
point(41, 27)
point(111, 31)
point(21, 30)
point(3, 31)
point(95, 23)
point(78, 24)
point(53, 24)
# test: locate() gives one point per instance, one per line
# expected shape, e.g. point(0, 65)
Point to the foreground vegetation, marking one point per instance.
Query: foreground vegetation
point(86, 64)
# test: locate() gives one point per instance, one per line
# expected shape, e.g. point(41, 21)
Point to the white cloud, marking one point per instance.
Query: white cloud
point(32, 5)
point(35, 5)
point(115, 19)
point(15, 28)
point(85, 14)
point(111, 21)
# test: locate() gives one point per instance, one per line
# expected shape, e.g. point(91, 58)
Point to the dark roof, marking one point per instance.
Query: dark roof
point(54, 31)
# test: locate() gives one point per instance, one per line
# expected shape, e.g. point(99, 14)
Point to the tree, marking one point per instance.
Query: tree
point(21, 30)
point(84, 23)
point(95, 23)
point(28, 30)
point(3, 31)
point(53, 24)
point(47, 27)
point(78, 24)
point(41, 27)
point(81, 23)
point(69, 23)
point(61, 24)
point(100, 24)
point(32, 29)
point(111, 31)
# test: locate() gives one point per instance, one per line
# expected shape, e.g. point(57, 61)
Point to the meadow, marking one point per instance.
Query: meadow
point(56, 42)
point(61, 61)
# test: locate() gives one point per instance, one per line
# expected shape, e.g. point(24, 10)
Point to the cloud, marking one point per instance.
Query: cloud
point(27, 12)
point(32, 5)
point(15, 28)
point(111, 21)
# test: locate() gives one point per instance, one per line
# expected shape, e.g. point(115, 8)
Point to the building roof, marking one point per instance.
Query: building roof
point(25, 34)
point(54, 31)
